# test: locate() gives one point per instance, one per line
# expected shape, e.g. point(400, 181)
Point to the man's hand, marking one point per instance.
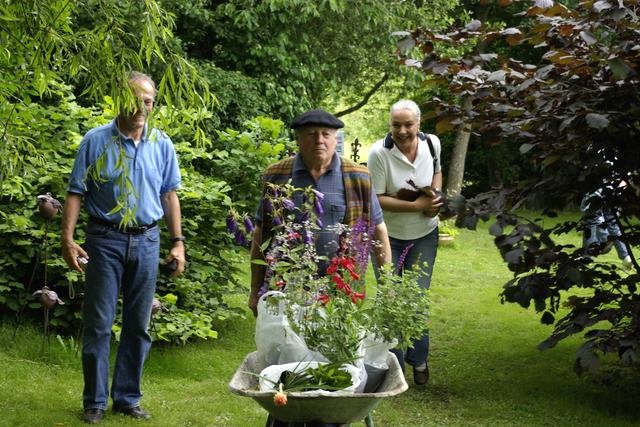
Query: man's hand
point(177, 254)
point(73, 255)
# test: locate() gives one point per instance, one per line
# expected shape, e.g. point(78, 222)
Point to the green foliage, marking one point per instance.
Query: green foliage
point(301, 52)
point(447, 226)
point(326, 376)
point(49, 46)
point(28, 239)
point(241, 157)
point(199, 292)
point(400, 307)
point(92, 45)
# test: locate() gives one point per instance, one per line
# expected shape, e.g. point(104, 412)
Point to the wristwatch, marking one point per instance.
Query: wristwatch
point(178, 239)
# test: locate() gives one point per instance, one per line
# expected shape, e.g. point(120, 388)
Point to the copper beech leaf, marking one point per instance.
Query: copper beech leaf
point(597, 121)
point(619, 68)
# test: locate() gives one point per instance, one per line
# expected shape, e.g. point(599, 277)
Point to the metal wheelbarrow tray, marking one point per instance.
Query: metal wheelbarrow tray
point(317, 406)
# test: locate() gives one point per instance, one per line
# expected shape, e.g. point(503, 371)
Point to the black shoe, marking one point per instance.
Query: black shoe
point(93, 415)
point(421, 377)
point(134, 412)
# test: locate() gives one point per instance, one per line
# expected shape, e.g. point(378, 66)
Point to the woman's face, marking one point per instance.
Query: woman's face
point(404, 127)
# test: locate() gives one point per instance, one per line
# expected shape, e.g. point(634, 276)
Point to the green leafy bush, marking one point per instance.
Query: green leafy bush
point(29, 246)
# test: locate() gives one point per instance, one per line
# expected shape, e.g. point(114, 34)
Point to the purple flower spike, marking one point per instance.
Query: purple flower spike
point(318, 206)
point(268, 206)
point(319, 222)
point(277, 220)
point(232, 225)
point(308, 237)
point(402, 257)
point(239, 238)
point(319, 195)
point(288, 204)
point(248, 225)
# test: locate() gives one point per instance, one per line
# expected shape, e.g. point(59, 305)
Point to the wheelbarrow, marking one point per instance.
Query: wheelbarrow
point(317, 406)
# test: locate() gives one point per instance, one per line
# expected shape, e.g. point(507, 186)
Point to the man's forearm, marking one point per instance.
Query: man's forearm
point(172, 213)
point(70, 214)
point(383, 249)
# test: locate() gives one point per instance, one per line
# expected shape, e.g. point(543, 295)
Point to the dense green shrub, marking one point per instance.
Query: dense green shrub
point(192, 303)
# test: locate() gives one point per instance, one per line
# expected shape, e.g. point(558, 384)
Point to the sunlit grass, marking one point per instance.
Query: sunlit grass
point(485, 368)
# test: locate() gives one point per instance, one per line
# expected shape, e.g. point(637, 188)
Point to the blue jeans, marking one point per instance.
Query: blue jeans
point(424, 249)
point(600, 228)
point(127, 264)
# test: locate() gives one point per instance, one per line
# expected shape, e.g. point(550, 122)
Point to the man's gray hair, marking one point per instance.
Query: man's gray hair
point(137, 76)
point(406, 104)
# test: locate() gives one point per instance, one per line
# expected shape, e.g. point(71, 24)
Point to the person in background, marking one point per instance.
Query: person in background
point(121, 258)
point(406, 174)
point(601, 228)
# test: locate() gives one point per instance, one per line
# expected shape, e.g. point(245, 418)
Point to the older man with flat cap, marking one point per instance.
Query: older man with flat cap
point(347, 189)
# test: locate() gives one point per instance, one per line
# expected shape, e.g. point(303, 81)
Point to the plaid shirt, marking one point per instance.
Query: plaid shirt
point(348, 192)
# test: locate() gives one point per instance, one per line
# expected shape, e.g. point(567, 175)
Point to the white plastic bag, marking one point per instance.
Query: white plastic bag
point(375, 351)
point(276, 342)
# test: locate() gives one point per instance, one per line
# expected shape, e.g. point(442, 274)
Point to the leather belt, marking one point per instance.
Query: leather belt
point(138, 229)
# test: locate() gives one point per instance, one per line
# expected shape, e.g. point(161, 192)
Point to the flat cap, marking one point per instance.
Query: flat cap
point(317, 118)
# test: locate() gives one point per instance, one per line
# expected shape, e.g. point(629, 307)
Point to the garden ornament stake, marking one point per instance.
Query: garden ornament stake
point(156, 307)
point(48, 208)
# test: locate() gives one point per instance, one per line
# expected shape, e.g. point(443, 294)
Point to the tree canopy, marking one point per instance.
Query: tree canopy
point(575, 117)
point(302, 53)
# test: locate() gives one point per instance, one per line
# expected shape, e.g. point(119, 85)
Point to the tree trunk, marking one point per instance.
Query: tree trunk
point(461, 144)
point(456, 167)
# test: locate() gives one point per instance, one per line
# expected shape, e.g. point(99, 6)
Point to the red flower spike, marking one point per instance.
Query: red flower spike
point(323, 299)
point(355, 296)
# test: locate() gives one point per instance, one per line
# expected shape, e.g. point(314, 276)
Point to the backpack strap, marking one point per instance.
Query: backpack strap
point(432, 150)
point(388, 144)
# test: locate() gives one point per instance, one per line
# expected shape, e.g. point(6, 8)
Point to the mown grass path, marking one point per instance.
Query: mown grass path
point(485, 368)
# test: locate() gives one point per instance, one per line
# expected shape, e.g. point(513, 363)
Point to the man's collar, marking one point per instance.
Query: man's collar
point(298, 164)
point(116, 131)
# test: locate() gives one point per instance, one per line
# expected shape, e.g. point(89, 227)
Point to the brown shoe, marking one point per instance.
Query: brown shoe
point(134, 412)
point(93, 415)
point(421, 377)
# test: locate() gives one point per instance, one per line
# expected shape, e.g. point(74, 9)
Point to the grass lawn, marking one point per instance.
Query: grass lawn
point(485, 368)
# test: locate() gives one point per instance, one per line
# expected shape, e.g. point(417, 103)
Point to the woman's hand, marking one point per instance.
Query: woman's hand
point(429, 203)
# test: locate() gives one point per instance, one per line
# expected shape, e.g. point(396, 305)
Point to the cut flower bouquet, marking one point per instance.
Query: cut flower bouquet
point(318, 308)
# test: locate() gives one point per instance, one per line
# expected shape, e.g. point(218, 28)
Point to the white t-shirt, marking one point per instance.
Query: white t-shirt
point(390, 171)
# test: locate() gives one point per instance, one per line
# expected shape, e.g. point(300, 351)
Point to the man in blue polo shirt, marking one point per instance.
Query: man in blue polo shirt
point(121, 256)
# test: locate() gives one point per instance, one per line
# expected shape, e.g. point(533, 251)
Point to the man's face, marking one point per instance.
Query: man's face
point(317, 145)
point(404, 127)
point(145, 95)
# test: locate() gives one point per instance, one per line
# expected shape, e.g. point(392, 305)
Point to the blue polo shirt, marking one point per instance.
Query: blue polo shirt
point(153, 170)
point(334, 203)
